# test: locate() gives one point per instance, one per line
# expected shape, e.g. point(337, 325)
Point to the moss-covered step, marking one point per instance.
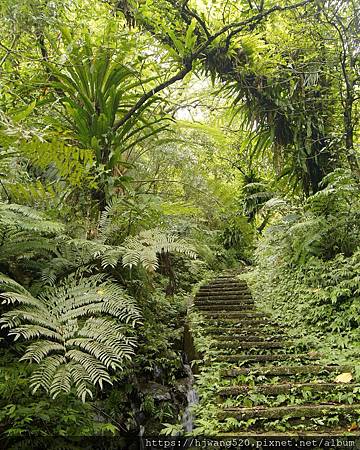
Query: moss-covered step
point(222, 308)
point(246, 328)
point(287, 370)
point(259, 323)
point(265, 358)
point(223, 283)
point(283, 388)
point(229, 302)
point(253, 344)
point(278, 412)
point(234, 314)
point(232, 303)
point(220, 288)
point(219, 298)
point(223, 292)
point(252, 336)
point(224, 299)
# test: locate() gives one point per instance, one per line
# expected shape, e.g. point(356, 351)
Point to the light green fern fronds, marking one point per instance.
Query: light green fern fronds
point(72, 164)
point(8, 284)
point(146, 246)
point(77, 331)
point(73, 254)
point(25, 233)
point(27, 219)
point(33, 193)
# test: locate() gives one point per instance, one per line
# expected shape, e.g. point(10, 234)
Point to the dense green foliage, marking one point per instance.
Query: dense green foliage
point(144, 147)
point(312, 256)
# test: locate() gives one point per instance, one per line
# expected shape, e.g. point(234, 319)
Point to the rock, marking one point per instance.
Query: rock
point(157, 391)
point(182, 385)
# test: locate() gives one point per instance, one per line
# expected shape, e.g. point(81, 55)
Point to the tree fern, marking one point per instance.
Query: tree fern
point(27, 218)
point(144, 248)
point(25, 233)
point(77, 331)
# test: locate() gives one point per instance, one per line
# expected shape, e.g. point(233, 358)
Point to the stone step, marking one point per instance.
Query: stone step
point(259, 337)
point(224, 284)
point(225, 280)
point(275, 389)
point(229, 291)
point(253, 344)
point(245, 322)
point(225, 308)
point(258, 322)
point(214, 301)
point(224, 298)
point(307, 411)
point(213, 291)
point(227, 274)
point(223, 302)
point(316, 369)
point(234, 314)
point(247, 327)
point(265, 358)
point(228, 287)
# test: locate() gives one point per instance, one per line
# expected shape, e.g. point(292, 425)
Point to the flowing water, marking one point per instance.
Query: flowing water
point(192, 399)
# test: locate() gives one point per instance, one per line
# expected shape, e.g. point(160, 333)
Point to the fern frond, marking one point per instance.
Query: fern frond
point(23, 299)
point(81, 380)
point(26, 233)
point(43, 376)
point(80, 331)
point(35, 331)
point(7, 283)
point(61, 381)
point(40, 349)
point(13, 318)
point(26, 218)
point(94, 368)
point(144, 248)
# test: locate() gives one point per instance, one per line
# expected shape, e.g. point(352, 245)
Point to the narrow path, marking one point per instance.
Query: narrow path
point(267, 383)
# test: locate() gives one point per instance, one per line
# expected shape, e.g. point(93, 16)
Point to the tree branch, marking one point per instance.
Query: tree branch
point(258, 17)
point(199, 20)
point(179, 76)
point(239, 26)
point(8, 50)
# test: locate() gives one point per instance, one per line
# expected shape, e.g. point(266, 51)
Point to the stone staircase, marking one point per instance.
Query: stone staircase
point(267, 383)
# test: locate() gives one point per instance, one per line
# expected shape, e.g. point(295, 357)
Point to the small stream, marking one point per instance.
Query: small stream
point(192, 399)
point(191, 394)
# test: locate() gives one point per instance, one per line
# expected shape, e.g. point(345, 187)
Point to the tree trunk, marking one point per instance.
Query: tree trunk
point(349, 135)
